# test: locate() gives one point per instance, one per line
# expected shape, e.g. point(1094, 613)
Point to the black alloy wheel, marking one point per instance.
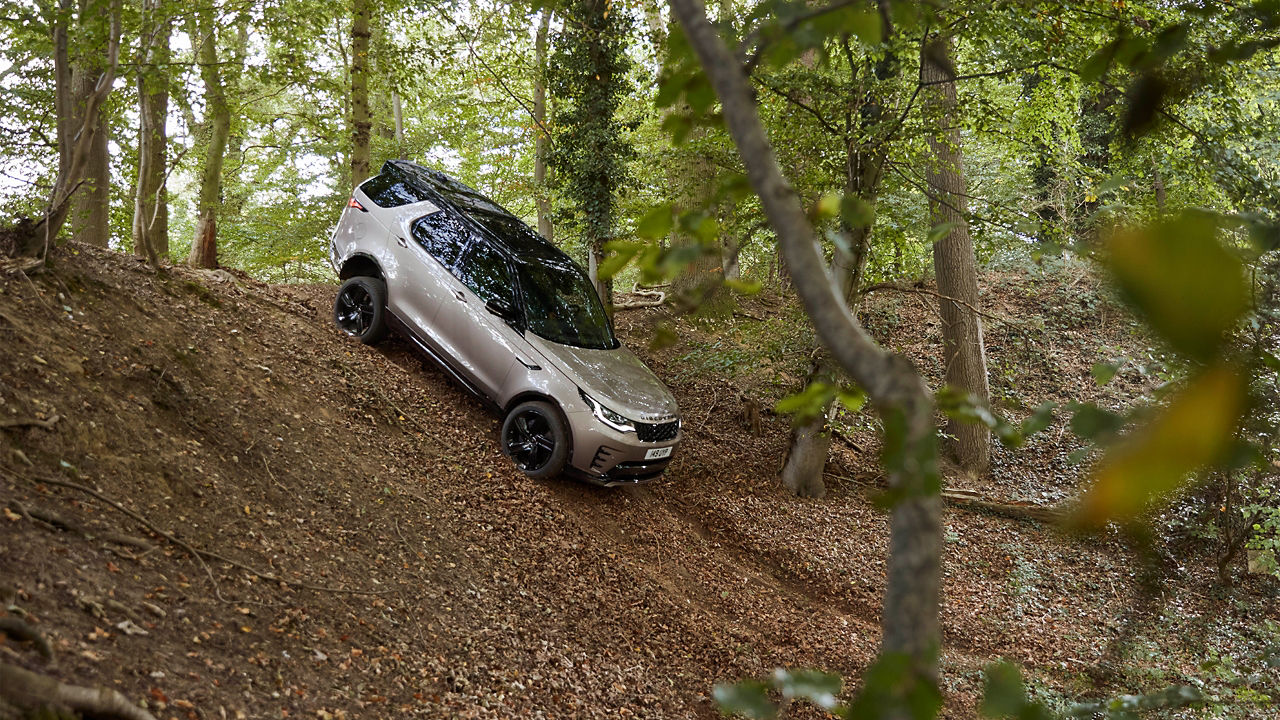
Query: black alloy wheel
point(534, 437)
point(360, 308)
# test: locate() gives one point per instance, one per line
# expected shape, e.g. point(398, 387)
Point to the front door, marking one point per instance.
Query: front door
point(484, 345)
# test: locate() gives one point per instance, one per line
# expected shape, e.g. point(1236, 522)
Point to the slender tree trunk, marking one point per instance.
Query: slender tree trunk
point(361, 120)
point(541, 141)
point(204, 246)
point(963, 352)
point(398, 113)
point(865, 157)
point(151, 208)
point(909, 620)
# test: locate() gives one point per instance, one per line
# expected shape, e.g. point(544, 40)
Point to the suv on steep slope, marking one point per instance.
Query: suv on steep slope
point(509, 316)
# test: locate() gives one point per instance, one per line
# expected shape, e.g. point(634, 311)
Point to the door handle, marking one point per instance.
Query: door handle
point(402, 242)
point(458, 294)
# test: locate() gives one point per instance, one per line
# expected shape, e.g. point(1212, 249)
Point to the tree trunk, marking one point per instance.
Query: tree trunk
point(963, 352)
point(151, 208)
point(545, 228)
point(361, 120)
point(77, 118)
point(204, 246)
point(90, 215)
point(909, 620)
point(398, 113)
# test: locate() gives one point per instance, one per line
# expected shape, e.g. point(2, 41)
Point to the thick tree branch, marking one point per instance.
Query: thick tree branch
point(910, 620)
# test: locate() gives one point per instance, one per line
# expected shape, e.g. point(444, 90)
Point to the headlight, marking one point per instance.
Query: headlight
point(607, 416)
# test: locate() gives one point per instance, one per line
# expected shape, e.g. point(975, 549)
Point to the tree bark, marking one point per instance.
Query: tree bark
point(910, 618)
point(204, 246)
point(151, 208)
point(361, 120)
point(77, 123)
point(541, 141)
point(963, 351)
point(91, 207)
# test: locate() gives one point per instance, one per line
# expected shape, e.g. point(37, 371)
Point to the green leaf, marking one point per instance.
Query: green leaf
point(1098, 63)
point(1176, 274)
point(1104, 371)
point(749, 698)
point(622, 254)
point(700, 94)
point(656, 224)
point(828, 206)
point(864, 25)
point(856, 212)
point(815, 686)
point(744, 287)
point(1003, 693)
point(807, 404)
point(853, 398)
point(1091, 422)
point(1040, 420)
point(1195, 430)
point(937, 232)
point(663, 337)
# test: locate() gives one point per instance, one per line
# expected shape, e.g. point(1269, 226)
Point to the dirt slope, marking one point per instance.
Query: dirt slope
point(414, 572)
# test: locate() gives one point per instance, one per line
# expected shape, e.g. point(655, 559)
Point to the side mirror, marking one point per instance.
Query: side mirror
point(503, 309)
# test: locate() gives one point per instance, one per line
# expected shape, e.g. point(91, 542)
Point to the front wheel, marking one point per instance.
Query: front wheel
point(360, 309)
point(535, 438)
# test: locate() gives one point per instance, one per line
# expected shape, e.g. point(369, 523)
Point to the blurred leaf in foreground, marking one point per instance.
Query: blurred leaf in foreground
point(1195, 430)
point(1182, 280)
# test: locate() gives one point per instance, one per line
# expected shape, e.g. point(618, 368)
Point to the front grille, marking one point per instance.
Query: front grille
point(657, 433)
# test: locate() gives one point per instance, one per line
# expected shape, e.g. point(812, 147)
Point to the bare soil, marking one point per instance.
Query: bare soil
point(402, 567)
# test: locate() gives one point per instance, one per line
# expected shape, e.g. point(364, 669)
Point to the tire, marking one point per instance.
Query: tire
point(536, 439)
point(360, 310)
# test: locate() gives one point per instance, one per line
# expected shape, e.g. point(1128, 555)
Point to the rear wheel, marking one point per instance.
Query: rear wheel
point(360, 309)
point(535, 438)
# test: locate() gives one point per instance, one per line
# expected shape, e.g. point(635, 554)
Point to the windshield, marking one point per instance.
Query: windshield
point(561, 306)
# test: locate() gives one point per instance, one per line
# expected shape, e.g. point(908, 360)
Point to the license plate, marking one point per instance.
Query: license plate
point(657, 453)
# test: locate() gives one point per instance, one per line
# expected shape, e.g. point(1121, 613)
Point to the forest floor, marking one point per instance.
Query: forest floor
point(402, 567)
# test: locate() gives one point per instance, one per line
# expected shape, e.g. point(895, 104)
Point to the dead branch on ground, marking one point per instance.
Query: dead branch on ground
point(971, 500)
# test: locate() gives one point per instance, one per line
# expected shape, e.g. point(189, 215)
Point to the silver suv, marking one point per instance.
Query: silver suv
point(509, 316)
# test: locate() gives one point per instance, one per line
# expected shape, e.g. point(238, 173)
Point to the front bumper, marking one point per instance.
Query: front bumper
point(604, 456)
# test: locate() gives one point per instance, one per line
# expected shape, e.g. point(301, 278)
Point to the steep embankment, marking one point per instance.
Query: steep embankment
point(401, 565)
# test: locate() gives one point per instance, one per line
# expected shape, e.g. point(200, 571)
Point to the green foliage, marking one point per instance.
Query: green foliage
point(890, 685)
point(589, 78)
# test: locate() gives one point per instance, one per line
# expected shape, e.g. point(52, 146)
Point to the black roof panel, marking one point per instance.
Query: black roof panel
point(507, 231)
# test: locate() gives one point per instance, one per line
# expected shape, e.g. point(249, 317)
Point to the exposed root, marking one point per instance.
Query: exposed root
point(31, 422)
point(19, 630)
point(42, 696)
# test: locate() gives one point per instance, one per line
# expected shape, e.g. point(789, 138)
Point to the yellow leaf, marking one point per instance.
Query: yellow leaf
point(1195, 430)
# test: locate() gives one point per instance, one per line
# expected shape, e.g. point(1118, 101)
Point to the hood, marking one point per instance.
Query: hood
point(616, 378)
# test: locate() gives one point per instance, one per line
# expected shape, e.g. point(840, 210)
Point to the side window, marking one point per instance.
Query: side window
point(486, 272)
point(442, 235)
point(388, 192)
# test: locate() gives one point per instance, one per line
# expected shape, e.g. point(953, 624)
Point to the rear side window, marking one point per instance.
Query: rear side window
point(486, 272)
point(388, 192)
point(442, 235)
